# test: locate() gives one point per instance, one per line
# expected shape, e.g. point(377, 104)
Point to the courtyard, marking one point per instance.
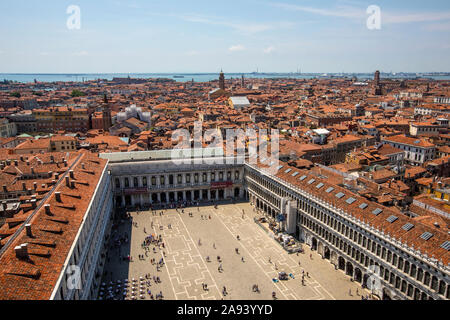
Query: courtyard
point(207, 231)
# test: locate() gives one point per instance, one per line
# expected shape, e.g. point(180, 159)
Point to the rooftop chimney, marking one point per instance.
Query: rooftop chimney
point(28, 229)
point(67, 181)
point(47, 208)
point(71, 174)
point(22, 251)
point(72, 184)
point(58, 196)
point(16, 163)
point(35, 185)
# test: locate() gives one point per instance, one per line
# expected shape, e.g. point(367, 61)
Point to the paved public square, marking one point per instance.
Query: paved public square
point(213, 232)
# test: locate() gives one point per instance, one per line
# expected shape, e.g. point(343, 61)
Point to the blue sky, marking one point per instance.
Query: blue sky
point(239, 36)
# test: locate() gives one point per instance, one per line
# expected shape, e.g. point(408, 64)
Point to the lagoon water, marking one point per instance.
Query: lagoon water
point(197, 77)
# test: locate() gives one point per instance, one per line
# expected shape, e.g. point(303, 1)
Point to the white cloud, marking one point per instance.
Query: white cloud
point(269, 49)
point(244, 28)
point(342, 11)
point(352, 12)
point(237, 47)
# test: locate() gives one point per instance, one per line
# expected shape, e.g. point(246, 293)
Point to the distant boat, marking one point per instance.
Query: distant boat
point(178, 77)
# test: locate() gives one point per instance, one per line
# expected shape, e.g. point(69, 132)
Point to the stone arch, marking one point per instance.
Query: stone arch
point(358, 275)
point(341, 263)
point(349, 269)
point(326, 253)
point(314, 243)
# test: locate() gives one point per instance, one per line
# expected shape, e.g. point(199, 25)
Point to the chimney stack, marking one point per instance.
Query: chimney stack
point(67, 181)
point(47, 208)
point(16, 163)
point(22, 251)
point(28, 229)
point(71, 174)
point(35, 185)
point(58, 196)
point(72, 184)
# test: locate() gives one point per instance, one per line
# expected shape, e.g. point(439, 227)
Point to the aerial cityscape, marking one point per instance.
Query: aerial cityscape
point(186, 179)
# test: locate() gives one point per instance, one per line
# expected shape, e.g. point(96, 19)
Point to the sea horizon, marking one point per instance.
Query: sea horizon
point(208, 76)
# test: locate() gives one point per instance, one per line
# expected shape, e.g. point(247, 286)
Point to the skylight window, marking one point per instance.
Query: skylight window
point(363, 206)
point(391, 219)
point(377, 211)
point(311, 181)
point(339, 195)
point(446, 245)
point(426, 236)
point(329, 190)
point(350, 200)
point(408, 226)
point(320, 185)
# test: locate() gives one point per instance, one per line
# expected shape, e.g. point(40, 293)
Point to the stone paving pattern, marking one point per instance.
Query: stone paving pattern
point(186, 268)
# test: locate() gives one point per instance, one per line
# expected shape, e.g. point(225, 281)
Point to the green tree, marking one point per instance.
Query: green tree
point(77, 93)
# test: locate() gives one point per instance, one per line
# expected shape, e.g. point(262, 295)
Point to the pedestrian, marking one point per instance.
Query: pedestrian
point(242, 259)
